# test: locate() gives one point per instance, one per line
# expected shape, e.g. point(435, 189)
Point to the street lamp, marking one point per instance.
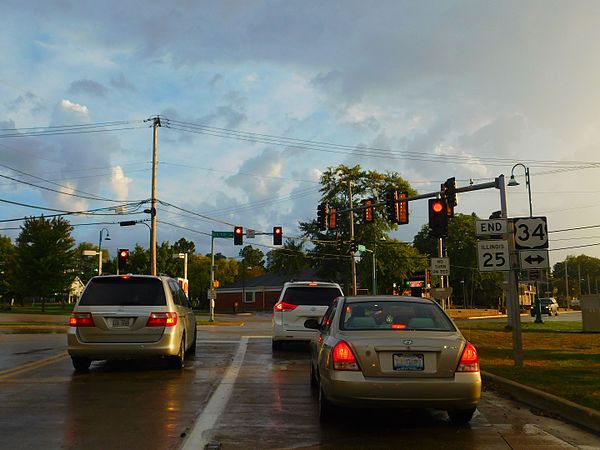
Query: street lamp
point(183, 256)
point(107, 238)
point(513, 182)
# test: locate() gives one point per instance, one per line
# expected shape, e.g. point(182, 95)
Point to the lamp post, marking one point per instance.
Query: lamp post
point(513, 182)
point(107, 238)
point(184, 256)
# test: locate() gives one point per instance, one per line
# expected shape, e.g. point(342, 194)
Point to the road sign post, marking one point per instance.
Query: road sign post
point(440, 266)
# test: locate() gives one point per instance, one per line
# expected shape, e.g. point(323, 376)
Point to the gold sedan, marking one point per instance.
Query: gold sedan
point(390, 351)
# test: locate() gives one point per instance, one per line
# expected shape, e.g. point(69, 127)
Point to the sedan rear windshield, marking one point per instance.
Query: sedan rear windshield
point(399, 315)
point(546, 301)
point(125, 291)
point(310, 295)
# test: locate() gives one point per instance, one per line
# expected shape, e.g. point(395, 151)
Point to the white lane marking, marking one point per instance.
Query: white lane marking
point(199, 435)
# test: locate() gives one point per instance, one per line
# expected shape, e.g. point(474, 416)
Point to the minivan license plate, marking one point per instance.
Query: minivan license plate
point(408, 361)
point(120, 322)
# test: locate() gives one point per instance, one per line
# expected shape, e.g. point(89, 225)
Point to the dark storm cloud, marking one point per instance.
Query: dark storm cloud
point(88, 87)
point(122, 83)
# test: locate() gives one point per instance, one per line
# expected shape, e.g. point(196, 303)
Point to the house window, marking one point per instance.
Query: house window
point(249, 297)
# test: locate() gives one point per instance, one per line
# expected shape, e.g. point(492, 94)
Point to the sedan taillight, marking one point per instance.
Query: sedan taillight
point(343, 357)
point(469, 361)
point(162, 319)
point(81, 320)
point(283, 306)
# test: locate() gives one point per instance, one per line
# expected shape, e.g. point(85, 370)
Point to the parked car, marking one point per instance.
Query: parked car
point(548, 305)
point(298, 301)
point(575, 303)
point(390, 351)
point(131, 317)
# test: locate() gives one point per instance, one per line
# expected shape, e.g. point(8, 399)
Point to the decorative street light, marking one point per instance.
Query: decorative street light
point(107, 238)
point(514, 182)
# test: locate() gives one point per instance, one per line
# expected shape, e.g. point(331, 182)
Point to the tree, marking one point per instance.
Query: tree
point(289, 260)
point(481, 288)
point(184, 246)
point(583, 273)
point(332, 251)
point(45, 257)
point(252, 264)
point(7, 269)
point(86, 266)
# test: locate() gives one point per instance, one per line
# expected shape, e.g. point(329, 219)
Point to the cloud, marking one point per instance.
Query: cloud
point(120, 183)
point(75, 110)
point(88, 87)
point(122, 83)
point(268, 168)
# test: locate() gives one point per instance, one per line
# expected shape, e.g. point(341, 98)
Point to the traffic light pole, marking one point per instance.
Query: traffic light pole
point(352, 260)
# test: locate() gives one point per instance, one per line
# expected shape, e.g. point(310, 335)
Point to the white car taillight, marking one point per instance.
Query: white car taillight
point(283, 306)
point(469, 361)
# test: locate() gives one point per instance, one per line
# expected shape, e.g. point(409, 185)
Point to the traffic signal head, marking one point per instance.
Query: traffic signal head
point(391, 206)
point(402, 207)
point(449, 194)
point(368, 212)
point(277, 235)
point(332, 219)
point(238, 236)
point(122, 257)
point(322, 213)
point(438, 218)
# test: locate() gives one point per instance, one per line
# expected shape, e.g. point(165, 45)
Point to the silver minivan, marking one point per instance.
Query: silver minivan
point(131, 317)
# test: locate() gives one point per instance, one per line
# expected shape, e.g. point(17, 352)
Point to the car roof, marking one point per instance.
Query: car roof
point(387, 298)
point(311, 283)
point(131, 275)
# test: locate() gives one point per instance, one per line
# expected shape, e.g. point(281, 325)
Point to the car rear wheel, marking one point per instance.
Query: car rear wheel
point(81, 364)
point(314, 383)
point(178, 361)
point(461, 416)
point(192, 349)
point(326, 408)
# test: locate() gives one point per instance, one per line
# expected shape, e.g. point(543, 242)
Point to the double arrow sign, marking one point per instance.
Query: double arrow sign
point(534, 259)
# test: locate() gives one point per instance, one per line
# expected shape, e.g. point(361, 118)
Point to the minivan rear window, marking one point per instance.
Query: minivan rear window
point(124, 291)
point(308, 295)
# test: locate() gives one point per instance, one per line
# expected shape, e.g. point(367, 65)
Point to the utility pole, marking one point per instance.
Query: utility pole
point(155, 125)
point(352, 261)
point(567, 286)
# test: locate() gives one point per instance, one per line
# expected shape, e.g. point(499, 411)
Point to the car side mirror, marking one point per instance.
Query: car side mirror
point(313, 324)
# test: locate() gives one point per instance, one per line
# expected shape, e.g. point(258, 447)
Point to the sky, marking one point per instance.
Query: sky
point(258, 98)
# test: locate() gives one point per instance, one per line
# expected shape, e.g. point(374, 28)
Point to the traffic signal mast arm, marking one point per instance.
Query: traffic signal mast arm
point(473, 187)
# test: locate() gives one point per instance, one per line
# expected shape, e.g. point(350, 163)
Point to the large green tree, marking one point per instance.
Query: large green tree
point(45, 257)
point(288, 260)
point(583, 274)
point(469, 285)
point(332, 251)
point(7, 269)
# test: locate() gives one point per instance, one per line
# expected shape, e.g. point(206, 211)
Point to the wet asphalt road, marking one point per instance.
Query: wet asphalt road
point(148, 406)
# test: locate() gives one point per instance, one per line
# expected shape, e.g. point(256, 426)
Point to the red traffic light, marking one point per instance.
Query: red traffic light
point(437, 206)
point(124, 253)
point(238, 236)
point(277, 235)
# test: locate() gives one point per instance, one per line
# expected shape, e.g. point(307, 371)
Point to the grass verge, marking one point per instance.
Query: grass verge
point(557, 357)
point(49, 308)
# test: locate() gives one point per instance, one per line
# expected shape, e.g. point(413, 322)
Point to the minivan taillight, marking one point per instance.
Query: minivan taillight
point(283, 306)
point(343, 357)
point(469, 361)
point(81, 320)
point(162, 319)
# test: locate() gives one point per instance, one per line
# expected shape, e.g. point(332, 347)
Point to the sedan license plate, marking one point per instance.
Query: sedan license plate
point(408, 361)
point(120, 322)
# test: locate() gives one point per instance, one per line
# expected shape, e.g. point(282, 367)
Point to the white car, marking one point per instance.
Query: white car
point(299, 301)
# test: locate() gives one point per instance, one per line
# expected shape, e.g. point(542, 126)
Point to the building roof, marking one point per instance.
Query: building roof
point(273, 280)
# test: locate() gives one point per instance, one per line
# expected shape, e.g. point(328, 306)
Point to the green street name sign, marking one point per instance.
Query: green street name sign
point(222, 234)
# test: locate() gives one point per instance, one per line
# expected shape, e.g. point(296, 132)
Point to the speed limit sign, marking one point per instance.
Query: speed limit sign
point(531, 232)
point(492, 256)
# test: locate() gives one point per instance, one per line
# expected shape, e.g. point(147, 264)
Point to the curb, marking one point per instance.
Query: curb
point(565, 409)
